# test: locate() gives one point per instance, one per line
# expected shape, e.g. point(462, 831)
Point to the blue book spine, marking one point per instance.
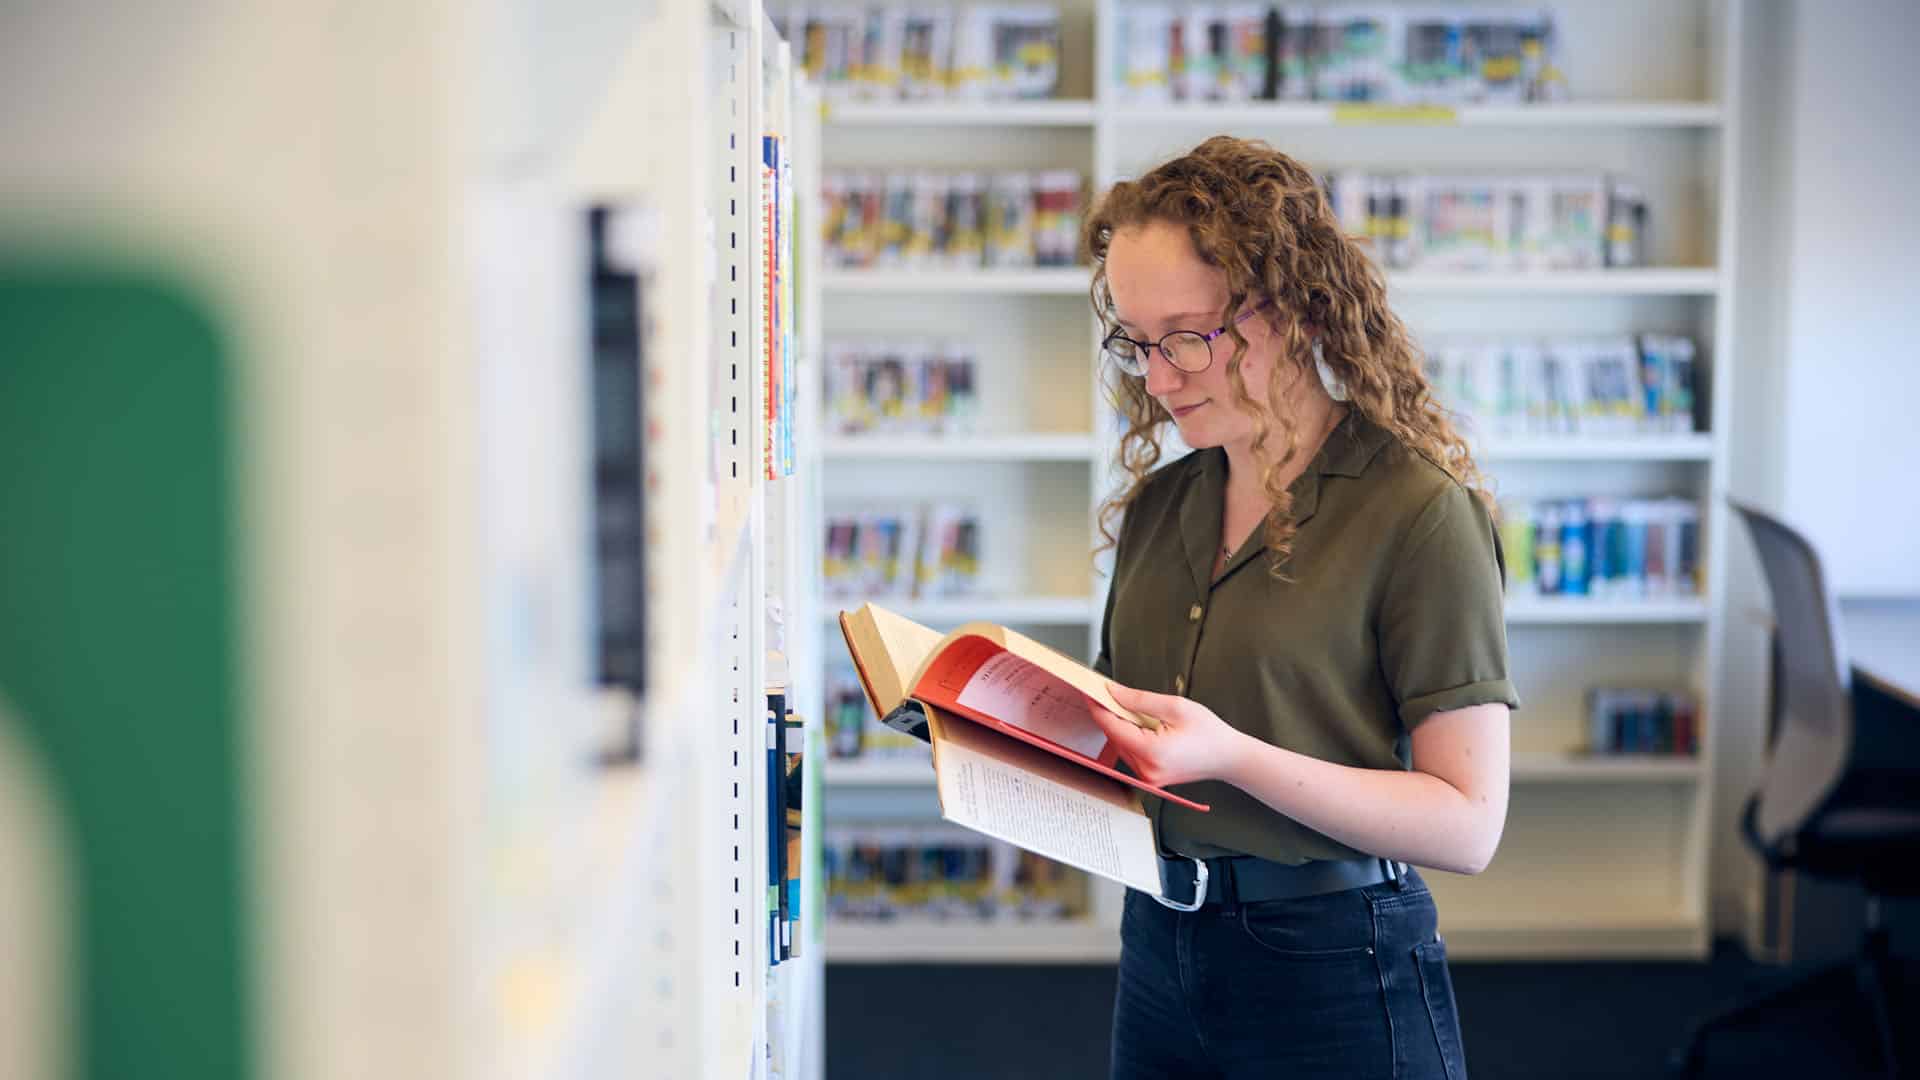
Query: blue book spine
point(1546, 548)
point(1575, 543)
point(775, 838)
point(1635, 570)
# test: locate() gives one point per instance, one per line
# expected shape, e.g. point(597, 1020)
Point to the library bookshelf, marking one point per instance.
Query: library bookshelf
point(1604, 857)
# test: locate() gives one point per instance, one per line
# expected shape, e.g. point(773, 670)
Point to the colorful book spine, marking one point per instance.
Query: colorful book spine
point(793, 784)
point(788, 353)
point(769, 293)
point(1605, 548)
point(1642, 721)
point(776, 851)
point(777, 822)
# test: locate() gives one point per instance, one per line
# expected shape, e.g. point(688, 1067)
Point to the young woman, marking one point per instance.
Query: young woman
point(1310, 605)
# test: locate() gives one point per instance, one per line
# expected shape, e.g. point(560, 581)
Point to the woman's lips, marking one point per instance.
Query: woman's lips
point(1182, 410)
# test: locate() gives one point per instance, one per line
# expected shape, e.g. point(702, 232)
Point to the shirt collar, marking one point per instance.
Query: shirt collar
point(1349, 448)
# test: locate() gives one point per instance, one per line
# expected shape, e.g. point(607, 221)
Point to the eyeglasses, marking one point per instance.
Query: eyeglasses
point(1188, 350)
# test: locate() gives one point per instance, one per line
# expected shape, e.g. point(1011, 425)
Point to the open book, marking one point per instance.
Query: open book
point(1017, 754)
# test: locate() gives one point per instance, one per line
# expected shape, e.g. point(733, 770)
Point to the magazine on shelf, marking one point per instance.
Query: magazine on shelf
point(1017, 754)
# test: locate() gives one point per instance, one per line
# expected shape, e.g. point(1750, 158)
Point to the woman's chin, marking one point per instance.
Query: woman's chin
point(1196, 434)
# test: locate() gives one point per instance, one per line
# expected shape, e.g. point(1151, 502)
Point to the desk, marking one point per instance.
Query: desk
point(1883, 645)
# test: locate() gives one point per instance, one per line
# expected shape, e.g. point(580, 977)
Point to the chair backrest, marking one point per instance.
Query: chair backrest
point(1812, 696)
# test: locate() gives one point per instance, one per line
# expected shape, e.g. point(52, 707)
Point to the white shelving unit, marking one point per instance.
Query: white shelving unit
point(449, 874)
point(1574, 611)
point(1013, 447)
point(725, 548)
point(962, 114)
point(1621, 115)
point(879, 774)
point(1065, 281)
point(1061, 610)
point(1694, 447)
point(1538, 767)
point(980, 943)
point(1675, 281)
point(1603, 857)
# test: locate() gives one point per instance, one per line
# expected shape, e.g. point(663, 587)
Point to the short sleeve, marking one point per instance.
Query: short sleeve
point(1442, 626)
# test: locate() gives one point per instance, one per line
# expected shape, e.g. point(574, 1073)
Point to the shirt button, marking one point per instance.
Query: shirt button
point(1179, 684)
point(1193, 613)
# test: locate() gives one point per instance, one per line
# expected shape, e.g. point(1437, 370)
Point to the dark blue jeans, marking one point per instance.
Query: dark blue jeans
point(1349, 985)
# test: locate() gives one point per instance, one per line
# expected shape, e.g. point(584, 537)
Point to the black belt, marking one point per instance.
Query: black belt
point(1189, 884)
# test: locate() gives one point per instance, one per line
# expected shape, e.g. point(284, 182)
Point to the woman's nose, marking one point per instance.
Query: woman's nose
point(1162, 377)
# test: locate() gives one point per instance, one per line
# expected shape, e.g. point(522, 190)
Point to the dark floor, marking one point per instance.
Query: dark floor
point(1520, 1021)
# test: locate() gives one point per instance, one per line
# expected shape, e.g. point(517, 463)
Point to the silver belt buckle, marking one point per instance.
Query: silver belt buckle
point(1199, 887)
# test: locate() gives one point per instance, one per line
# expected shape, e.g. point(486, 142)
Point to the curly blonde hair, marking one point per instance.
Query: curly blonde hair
point(1261, 217)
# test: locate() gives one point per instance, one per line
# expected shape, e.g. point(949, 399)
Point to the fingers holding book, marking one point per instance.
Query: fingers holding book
point(1191, 743)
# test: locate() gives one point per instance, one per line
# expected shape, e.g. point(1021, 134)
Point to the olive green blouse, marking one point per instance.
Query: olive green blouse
point(1393, 612)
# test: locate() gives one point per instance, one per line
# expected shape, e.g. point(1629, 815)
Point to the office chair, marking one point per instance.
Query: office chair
point(1818, 809)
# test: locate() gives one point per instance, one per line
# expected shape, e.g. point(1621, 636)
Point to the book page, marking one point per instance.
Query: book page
point(1033, 800)
point(1090, 683)
point(1035, 700)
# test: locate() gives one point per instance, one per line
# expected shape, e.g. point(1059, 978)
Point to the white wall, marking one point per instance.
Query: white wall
point(1829, 318)
point(1852, 303)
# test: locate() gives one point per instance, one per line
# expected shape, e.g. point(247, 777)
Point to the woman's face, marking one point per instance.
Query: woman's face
point(1159, 284)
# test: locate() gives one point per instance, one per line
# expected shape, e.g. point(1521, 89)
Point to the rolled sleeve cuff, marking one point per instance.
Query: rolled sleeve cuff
point(1501, 691)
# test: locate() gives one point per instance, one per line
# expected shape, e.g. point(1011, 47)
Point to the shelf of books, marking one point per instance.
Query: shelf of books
point(905, 890)
point(1670, 281)
point(1029, 610)
point(1011, 282)
point(1281, 114)
point(925, 114)
point(982, 446)
point(1547, 192)
point(1663, 281)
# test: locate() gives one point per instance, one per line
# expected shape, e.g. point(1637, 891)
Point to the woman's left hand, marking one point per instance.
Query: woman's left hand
point(1193, 743)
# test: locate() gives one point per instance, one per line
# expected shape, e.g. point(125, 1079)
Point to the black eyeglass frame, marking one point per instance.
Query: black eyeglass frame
point(1144, 349)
